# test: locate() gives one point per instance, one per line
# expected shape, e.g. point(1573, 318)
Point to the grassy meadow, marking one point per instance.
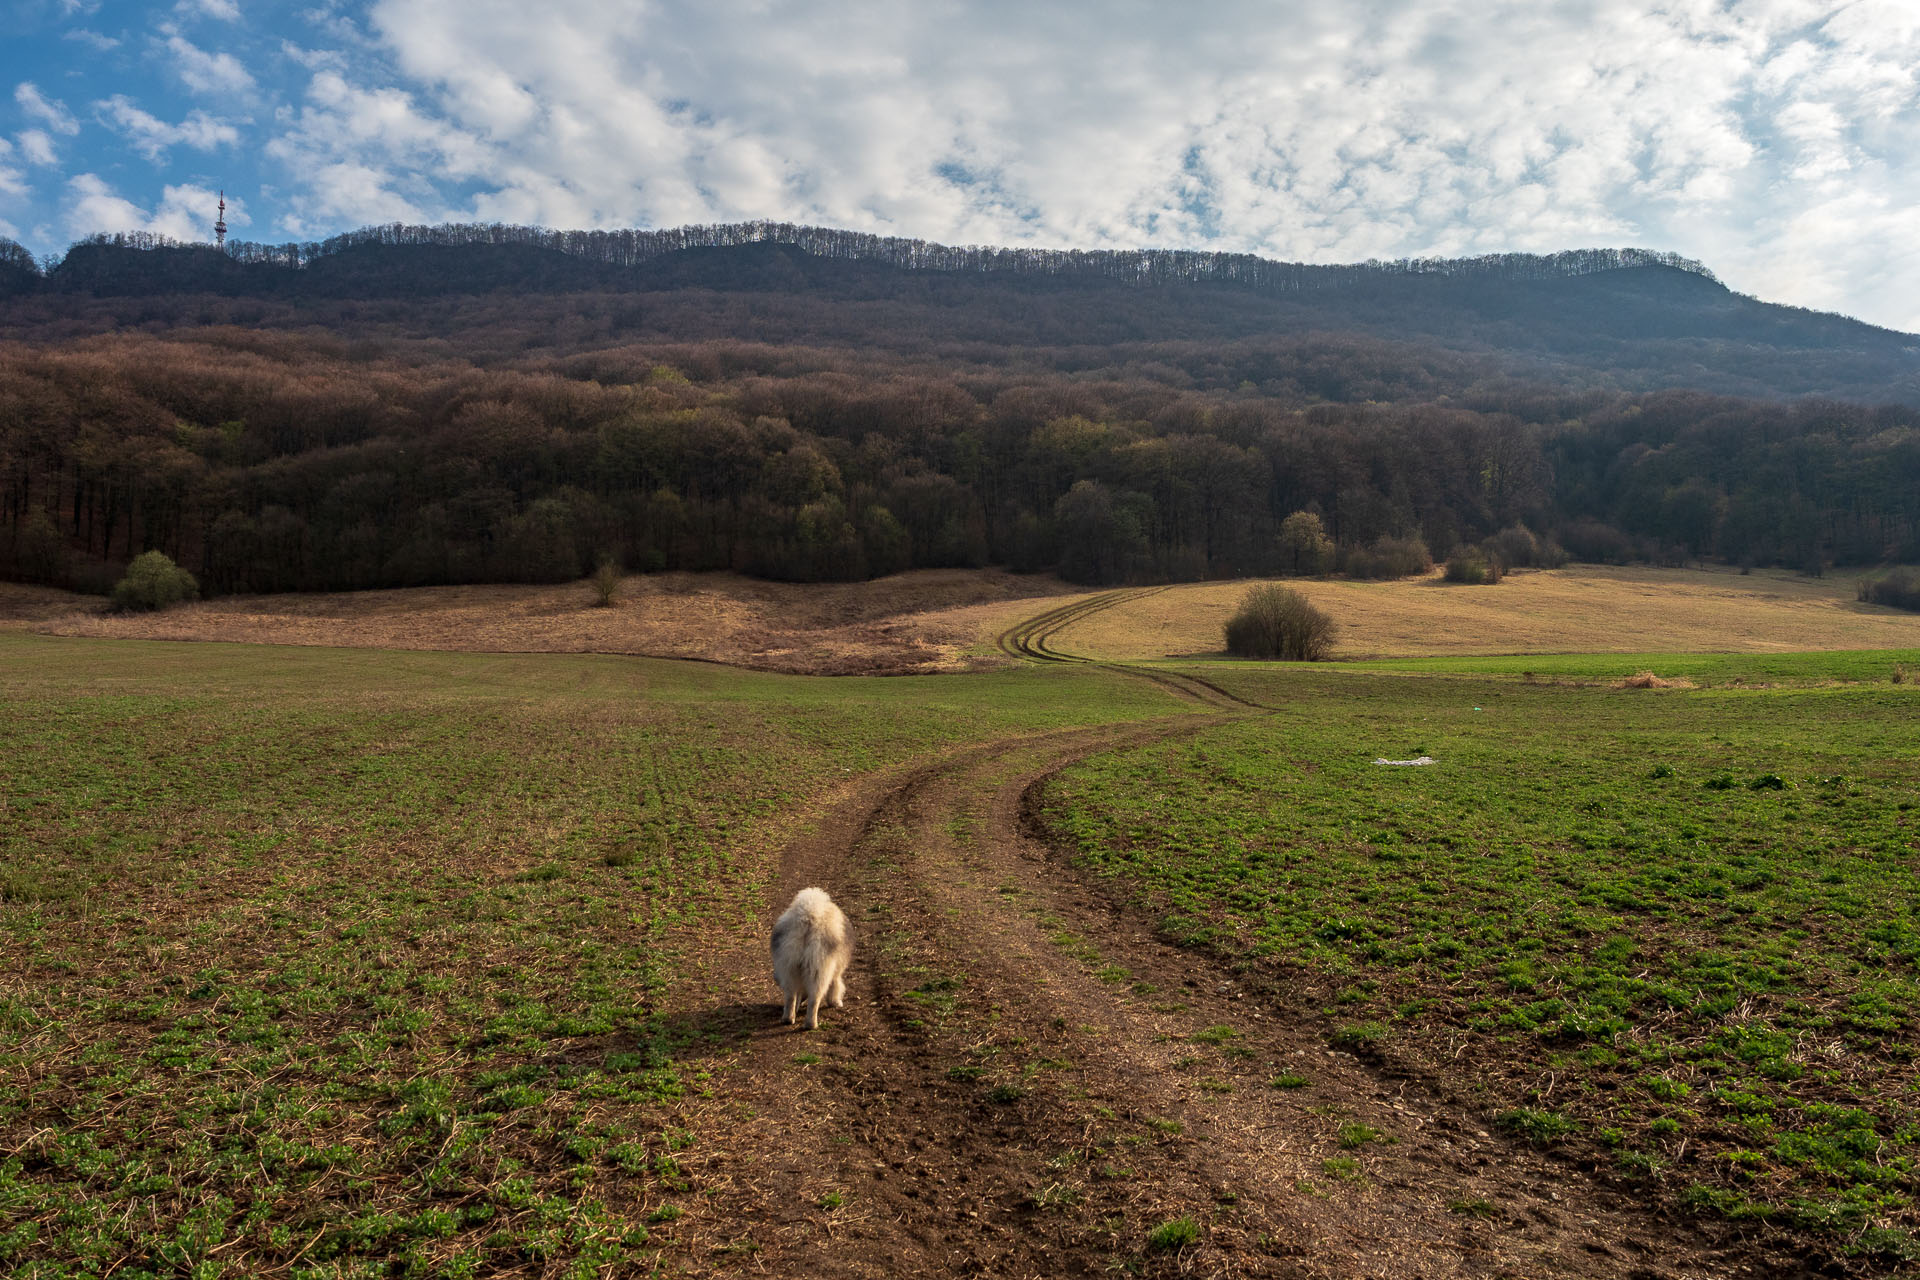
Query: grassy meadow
point(1672, 931)
point(350, 962)
point(1584, 608)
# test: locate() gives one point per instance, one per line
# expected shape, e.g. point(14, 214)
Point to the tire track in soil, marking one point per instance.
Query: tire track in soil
point(1028, 639)
point(1026, 1082)
point(881, 1158)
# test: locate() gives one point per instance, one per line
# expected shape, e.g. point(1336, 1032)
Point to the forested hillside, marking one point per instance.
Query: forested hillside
point(408, 408)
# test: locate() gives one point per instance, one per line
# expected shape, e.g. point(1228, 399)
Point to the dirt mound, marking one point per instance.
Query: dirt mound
point(1648, 680)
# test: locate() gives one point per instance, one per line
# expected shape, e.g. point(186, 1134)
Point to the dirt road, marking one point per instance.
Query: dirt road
point(1026, 1082)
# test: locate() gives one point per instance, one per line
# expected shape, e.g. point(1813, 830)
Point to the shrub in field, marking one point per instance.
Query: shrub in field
point(1274, 622)
point(1473, 569)
point(153, 581)
point(1387, 558)
point(39, 553)
point(606, 583)
point(1899, 589)
point(1518, 547)
point(1305, 548)
point(1597, 543)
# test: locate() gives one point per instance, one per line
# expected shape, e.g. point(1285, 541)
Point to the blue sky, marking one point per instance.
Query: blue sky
point(1776, 140)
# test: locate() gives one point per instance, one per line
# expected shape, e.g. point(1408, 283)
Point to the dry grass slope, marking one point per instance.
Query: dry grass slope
point(1582, 609)
point(940, 620)
point(913, 622)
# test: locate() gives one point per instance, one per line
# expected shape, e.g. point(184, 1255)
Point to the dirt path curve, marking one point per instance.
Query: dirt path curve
point(1029, 639)
point(1025, 1082)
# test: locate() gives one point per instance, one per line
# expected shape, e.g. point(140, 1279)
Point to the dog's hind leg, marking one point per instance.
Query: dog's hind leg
point(815, 998)
point(839, 988)
point(793, 1006)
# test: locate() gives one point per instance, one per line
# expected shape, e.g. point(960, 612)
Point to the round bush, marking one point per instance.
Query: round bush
point(153, 581)
point(1275, 622)
point(1473, 569)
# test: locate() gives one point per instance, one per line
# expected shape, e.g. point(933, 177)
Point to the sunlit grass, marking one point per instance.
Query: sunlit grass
point(362, 962)
point(1679, 926)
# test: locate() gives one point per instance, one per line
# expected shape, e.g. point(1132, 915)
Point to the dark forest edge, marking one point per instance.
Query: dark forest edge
point(273, 462)
point(814, 425)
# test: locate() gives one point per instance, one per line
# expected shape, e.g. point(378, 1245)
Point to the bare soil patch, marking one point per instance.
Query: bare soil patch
point(925, 621)
point(1581, 609)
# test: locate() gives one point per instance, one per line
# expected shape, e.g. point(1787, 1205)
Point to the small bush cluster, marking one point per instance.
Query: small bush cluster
point(1274, 622)
point(1387, 558)
point(606, 583)
point(1305, 549)
point(1598, 543)
point(1899, 589)
point(1473, 569)
point(153, 581)
point(1518, 547)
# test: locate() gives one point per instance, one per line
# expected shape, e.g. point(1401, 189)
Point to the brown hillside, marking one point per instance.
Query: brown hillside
point(923, 621)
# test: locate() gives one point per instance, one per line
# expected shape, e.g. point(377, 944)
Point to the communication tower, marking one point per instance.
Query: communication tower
point(220, 224)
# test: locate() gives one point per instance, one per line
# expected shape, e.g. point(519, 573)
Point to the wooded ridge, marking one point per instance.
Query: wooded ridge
point(476, 403)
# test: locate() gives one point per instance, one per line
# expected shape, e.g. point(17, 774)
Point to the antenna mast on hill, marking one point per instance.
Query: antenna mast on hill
point(220, 224)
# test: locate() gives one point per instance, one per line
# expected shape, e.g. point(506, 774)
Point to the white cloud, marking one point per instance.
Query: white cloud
point(36, 147)
point(152, 136)
point(225, 10)
point(314, 59)
point(372, 156)
point(93, 205)
point(184, 213)
point(1778, 140)
point(13, 182)
point(203, 72)
point(92, 39)
point(49, 111)
point(1742, 134)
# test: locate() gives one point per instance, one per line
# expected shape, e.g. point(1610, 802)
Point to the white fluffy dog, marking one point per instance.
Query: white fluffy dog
point(812, 947)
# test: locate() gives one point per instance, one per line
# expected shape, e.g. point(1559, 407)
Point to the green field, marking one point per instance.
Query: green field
point(352, 962)
point(343, 962)
point(1674, 932)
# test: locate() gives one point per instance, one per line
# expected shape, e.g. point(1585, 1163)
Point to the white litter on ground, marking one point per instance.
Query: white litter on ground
point(1421, 760)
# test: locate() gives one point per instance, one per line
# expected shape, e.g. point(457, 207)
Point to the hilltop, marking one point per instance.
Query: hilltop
point(1619, 318)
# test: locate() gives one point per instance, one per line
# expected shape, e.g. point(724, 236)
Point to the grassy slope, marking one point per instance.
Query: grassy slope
point(1580, 609)
point(1597, 905)
point(335, 959)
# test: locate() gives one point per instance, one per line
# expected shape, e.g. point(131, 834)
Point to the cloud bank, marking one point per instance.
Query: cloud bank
point(1774, 139)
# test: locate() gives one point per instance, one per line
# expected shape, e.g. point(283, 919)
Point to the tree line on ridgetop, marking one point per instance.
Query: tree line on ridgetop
point(630, 247)
point(1624, 319)
point(264, 461)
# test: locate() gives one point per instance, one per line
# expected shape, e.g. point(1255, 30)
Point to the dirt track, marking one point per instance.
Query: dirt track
point(1025, 1082)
